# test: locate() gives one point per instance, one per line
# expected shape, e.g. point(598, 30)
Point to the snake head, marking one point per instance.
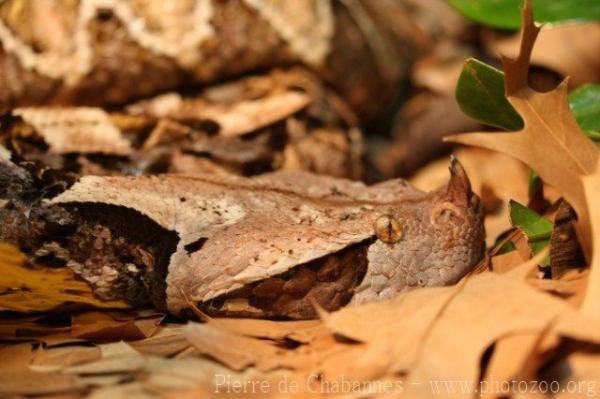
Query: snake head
point(456, 221)
point(426, 243)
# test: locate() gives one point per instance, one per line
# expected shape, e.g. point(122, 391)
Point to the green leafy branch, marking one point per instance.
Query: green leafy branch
point(506, 14)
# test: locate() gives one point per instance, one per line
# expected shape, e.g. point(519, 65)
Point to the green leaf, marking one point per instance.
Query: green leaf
point(538, 246)
point(585, 105)
point(535, 226)
point(534, 183)
point(508, 246)
point(480, 94)
point(506, 14)
point(595, 136)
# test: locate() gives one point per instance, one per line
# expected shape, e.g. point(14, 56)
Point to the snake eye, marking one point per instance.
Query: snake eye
point(388, 229)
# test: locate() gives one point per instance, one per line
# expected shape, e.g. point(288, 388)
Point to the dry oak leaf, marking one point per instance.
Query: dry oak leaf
point(591, 301)
point(58, 358)
point(167, 342)
point(74, 130)
point(581, 366)
point(324, 355)
point(235, 351)
point(104, 326)
point(484, 310)
point(571, 50)
point(412, 313)
point(171, 133)
point(117, 357)
point(298, 330)
point(487, 308)
point(18, 380)
point(552, 143)
point(510, 354)
point(31, 288)
point(235, 119)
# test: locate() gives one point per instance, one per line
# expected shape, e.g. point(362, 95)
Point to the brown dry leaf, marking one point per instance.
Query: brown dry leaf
point(487, 308)
point(235, 118)
point(324, 355)
point(297, 330)
point(102, 326)
point(551, 141)
point(571, 50)
point(16, 378)
point(572, 157)
point(517, 357)
point(125, 390)
point(570, 286)
point(32, 288)
point(74, 130)
point(167, 342)
point(235, 351)
point(247, 116)
point(319, 353)
point(509, 354)
point(412, 313)
point(565, 250)
point(117, 357)
point(55, 359)
point(577, 372)
point(579, 326)
point(591, 302)
point(435, 333)
point(506, 262)
point(195, 377)
point(17, 327)
point(238, 127)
